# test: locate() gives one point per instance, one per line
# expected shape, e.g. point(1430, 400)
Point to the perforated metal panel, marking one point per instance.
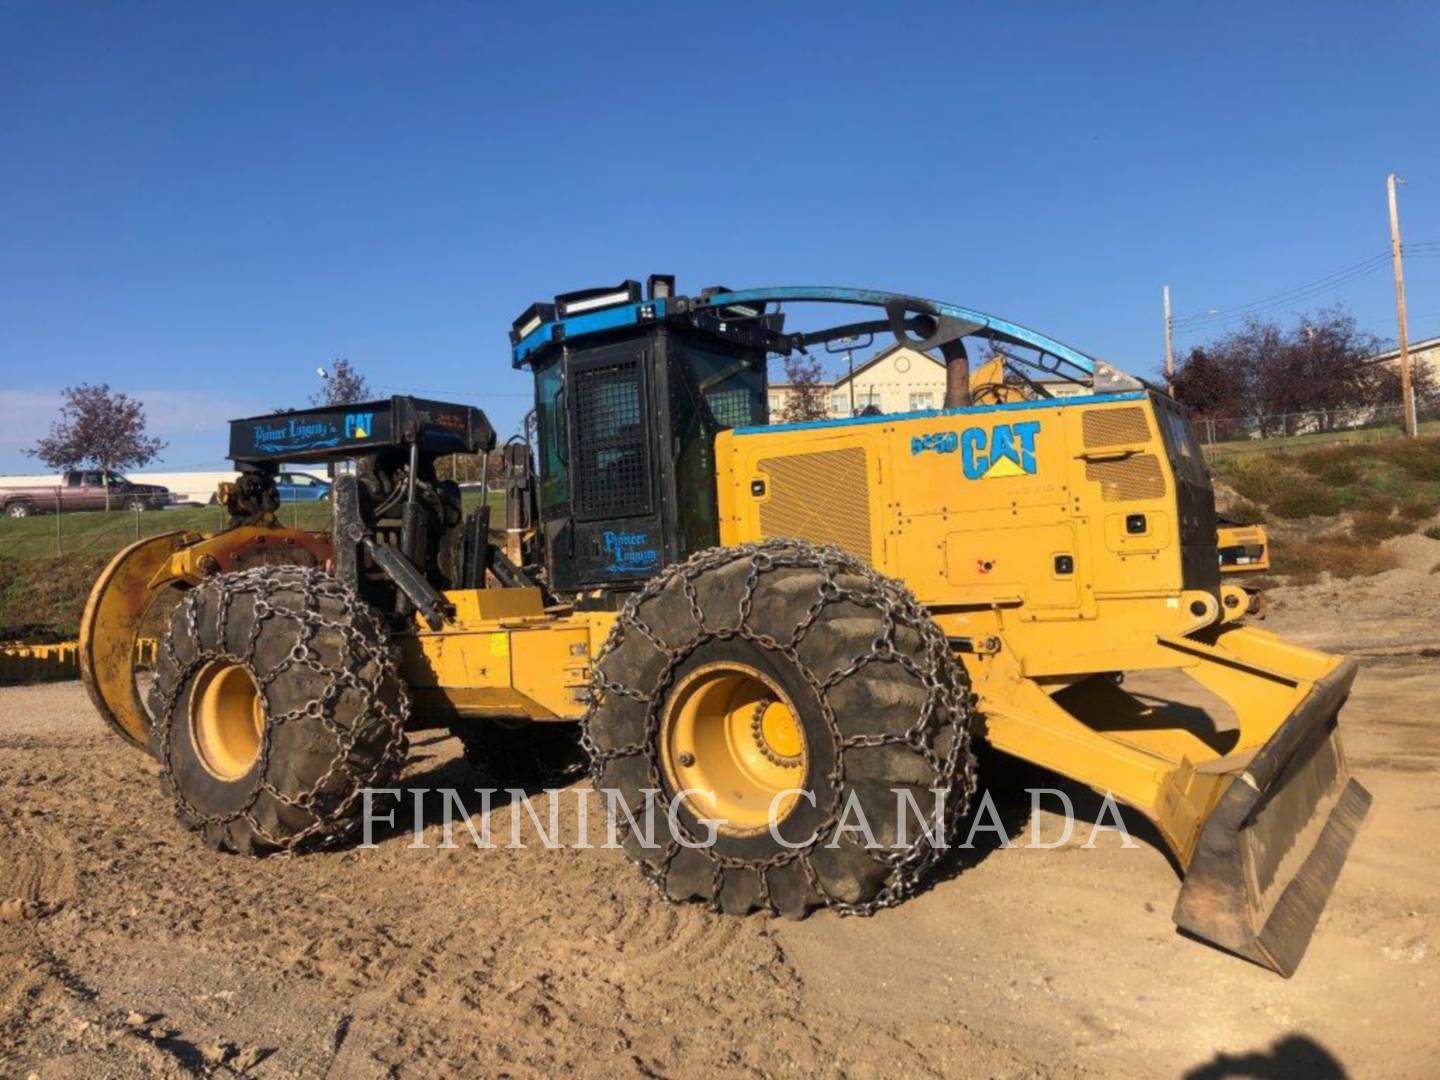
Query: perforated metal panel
point(612, 477)
point(1114, 427)
point(1137, 477)
point(822, 497)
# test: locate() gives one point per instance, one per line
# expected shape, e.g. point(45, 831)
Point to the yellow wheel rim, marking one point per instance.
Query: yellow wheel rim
point(731, 739)
point(227, 719)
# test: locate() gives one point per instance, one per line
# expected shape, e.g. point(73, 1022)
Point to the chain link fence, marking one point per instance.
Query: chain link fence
point(102, 532)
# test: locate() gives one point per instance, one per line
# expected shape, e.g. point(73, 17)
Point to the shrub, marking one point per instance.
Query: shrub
point(1334, 465)
point(1302, 497)
point(1420, 458)
point(1433, 532)
point(1375, 502)
point(1341, 556)
point(1245, 512)
point(1261, 478)
point(1417, 509)
point(1373, 526)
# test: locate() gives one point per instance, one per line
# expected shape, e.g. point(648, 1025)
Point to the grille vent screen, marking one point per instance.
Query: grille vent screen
point(822, 497)
point(612, 478)
point(1114, 427)
point(1137, 477)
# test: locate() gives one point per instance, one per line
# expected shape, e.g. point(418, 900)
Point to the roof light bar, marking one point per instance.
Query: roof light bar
point(577, 303)
point(530, 320)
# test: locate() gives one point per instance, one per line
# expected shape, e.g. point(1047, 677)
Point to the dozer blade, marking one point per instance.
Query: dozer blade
point(109, 629)
point(1270, 852)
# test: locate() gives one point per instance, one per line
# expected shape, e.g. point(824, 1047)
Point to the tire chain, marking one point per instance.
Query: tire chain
point(314, 585)
point(949, 703)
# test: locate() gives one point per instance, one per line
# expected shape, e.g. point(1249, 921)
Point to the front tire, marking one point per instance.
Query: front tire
point(278, 703)
point(746, 675)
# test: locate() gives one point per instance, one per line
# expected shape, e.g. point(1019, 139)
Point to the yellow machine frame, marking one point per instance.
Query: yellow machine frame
point(1043, 537)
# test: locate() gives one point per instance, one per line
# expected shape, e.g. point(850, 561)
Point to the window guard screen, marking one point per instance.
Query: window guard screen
point(613, 476)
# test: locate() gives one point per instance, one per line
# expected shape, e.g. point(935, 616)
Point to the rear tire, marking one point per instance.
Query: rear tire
point(18, 509)
point(135, 506)
point(278, 703)
point(875, 709)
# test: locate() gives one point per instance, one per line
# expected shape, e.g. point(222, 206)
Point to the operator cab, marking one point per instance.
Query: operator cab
point(627, 406)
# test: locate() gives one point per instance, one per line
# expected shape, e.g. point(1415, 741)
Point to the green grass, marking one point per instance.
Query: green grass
point(102, 532)
point(1382, 433)
point(42, 592)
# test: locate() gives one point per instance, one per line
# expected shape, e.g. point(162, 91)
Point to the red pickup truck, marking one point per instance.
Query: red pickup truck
point(83, 489)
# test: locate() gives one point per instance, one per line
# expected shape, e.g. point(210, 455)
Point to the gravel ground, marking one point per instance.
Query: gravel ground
point(127, 950)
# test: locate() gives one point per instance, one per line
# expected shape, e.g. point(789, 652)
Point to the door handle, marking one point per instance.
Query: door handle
point(1114, 453)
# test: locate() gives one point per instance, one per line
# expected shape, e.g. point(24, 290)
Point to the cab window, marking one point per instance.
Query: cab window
point(733, 386)
point(550, 419)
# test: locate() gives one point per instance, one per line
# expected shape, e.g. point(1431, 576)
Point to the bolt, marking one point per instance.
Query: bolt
point(686, 760)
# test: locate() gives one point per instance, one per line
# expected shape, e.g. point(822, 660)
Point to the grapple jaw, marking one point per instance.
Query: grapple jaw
point(110, 627)
point(1270, 852)
point(137, 577)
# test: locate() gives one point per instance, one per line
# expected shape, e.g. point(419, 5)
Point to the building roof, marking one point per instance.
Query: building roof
point(1424, 345)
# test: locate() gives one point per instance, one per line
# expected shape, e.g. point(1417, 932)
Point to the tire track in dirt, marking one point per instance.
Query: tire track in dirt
point(37, 861)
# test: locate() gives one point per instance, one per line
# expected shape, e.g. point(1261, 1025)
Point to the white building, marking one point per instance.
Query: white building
point(895, 380)
point(1423, 354)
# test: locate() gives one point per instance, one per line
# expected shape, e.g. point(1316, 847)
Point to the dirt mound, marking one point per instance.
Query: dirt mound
point(1415, 552)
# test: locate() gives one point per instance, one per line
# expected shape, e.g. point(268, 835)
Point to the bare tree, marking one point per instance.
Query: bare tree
point(343, 386)
point(99, 427)
point(806, 400)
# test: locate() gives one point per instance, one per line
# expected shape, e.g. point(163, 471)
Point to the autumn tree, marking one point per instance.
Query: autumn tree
point(343, 386)
point(1211, 385)
point(807, 389)
point(100, 428)
point(1315, 374)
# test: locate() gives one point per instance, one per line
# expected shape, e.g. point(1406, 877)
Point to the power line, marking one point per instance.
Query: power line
point(1329, 283)
point(1282, 299)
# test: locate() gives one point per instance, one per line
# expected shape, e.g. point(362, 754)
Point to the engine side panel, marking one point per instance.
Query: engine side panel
point(1024, 518)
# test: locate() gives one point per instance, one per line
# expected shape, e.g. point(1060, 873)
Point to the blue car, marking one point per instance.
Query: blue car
point(301, 487)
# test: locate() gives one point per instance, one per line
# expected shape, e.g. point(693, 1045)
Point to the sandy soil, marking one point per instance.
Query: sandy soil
point(126, 950)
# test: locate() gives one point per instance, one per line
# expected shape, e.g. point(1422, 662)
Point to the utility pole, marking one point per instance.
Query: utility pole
point(850, 363)
point(1169, 348)
point(1407, 397)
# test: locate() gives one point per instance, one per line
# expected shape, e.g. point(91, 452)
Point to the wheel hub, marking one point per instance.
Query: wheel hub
point(731, 739)
point(776, 734)
point(227, 720)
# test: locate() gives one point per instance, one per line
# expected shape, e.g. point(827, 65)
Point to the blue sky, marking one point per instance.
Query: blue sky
point(200, 203)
